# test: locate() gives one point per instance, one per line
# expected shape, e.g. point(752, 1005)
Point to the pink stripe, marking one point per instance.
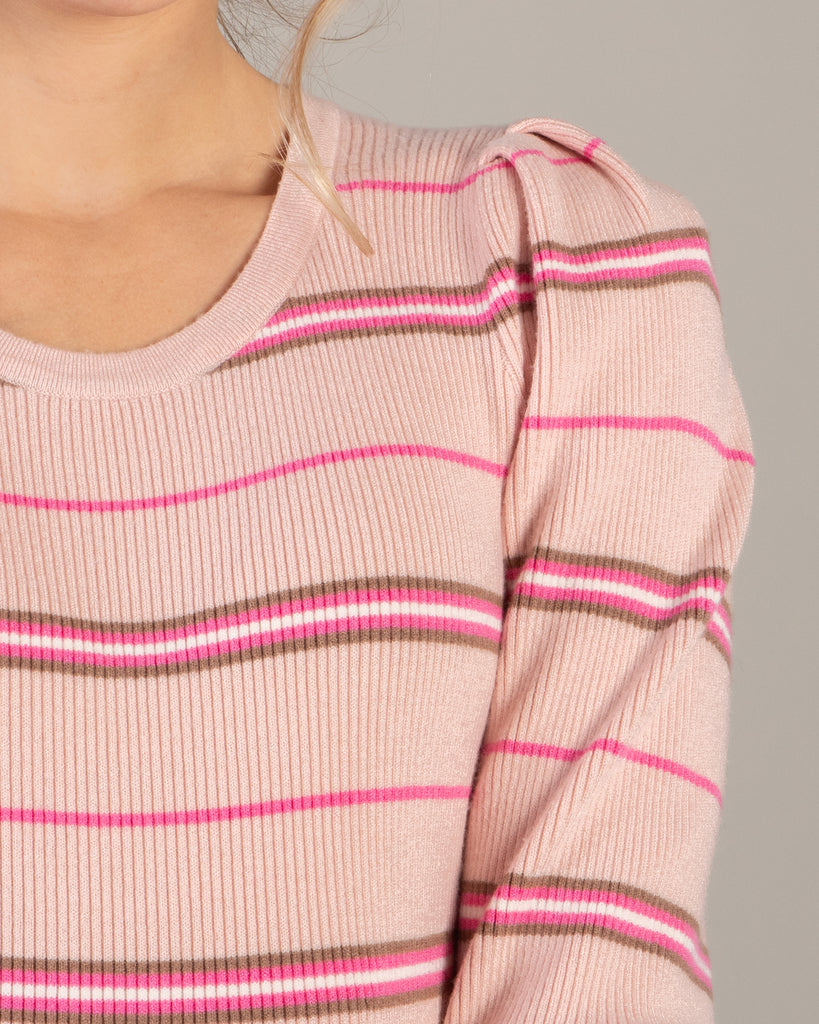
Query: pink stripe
point(453, 302)
point(395, 185)
point(638, 423)
point(207, 815)
point(449, 303)
point(617, 899)
point(629, 604)
point(354, 303)
point(626, 251)
point(392, 307)
point(721, 614)
point(611, 746)
point(443, 188)
point(719, 627)
point(557, 161)
point(392, 315)
point(580, 894)
point(296, 606)
point(600, 921)
point(175, 1004)
point(369, 321)
point(588, 150)
point(723, 646)
point(625, 273)
point(598, 572)
point(201, 493)
point(234, 645)
point(223, 977)
point(717, 624)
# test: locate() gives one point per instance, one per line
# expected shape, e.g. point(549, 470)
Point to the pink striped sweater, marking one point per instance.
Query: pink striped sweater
point(365, 647)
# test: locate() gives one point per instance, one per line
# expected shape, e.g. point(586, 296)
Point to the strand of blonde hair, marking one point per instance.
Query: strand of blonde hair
point(292, 120)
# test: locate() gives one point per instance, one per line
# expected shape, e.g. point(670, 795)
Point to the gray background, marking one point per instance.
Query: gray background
point(717, 99)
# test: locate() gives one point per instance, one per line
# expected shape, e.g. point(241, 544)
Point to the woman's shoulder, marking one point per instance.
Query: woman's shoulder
point(520, 179)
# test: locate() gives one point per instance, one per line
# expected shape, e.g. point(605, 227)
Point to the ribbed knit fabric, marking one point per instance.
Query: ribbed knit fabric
point(365, 646)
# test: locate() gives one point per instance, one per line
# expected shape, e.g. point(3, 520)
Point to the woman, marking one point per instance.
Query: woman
point(371, 497)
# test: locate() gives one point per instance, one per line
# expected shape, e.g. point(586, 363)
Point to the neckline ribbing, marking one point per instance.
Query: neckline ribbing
point(255, 294)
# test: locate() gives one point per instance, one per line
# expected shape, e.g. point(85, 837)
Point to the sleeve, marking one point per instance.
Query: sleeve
point(596, 800)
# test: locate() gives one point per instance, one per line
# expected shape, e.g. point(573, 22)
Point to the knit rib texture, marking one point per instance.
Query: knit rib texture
point(365, 646)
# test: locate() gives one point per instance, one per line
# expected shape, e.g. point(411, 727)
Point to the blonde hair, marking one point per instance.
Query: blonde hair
point(292, 117)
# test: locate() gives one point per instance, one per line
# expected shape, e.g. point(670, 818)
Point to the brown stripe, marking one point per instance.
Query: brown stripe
point(607, 283)
point(521, 881)
point(272, 597)
point(309, 1010)
point(322, 334)
point(709, 636)
point(598, 930)
point(561, 604)
point(629, 242)
point(653, 572)
point(473, 292)
point(228, 659)
point(252, 960)
point(600, 608)
point(464, 291)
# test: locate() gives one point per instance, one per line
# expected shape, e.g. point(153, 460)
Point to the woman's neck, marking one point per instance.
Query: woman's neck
point(100, 109)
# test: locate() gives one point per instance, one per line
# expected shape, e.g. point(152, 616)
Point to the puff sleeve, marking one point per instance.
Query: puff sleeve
point(597, 798)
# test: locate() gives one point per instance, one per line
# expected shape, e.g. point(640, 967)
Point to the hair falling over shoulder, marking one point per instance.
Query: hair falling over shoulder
point(291, 115)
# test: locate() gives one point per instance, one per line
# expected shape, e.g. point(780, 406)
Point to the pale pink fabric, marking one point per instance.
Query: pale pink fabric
point(365, 645)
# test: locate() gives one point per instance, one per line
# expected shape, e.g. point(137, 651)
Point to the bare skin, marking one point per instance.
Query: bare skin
point(132, 188)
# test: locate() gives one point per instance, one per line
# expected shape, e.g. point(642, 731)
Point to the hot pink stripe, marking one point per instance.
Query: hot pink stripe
point(590, 147)
point(369, 321)
point(627, 273)
point(611, 746)
point(394, 185)
point(392, 314)
point(214, 490)
point(625, 576)
point(600, 921)
point(558, 161)
point(721, 613)
point(370, 595)
point(638, 423)
point(579, 894)
point(629, 604)
point(207, 815)
point(355, 303)
point(274, 635)
point(454, 302)
point(626, 251)
point(617, 899)
point(719, 627)
point(178, 1004)
point(158, 979)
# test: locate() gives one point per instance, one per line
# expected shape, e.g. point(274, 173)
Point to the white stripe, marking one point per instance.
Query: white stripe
point(452, 613)
point(634, 261)
point(623, 589)
point(457, 306)
point(506, 905)
point(276, 986)
point(720, 625)
point(391, 307)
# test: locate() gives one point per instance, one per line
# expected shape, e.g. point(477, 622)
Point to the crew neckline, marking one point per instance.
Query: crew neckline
point(255, 294)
